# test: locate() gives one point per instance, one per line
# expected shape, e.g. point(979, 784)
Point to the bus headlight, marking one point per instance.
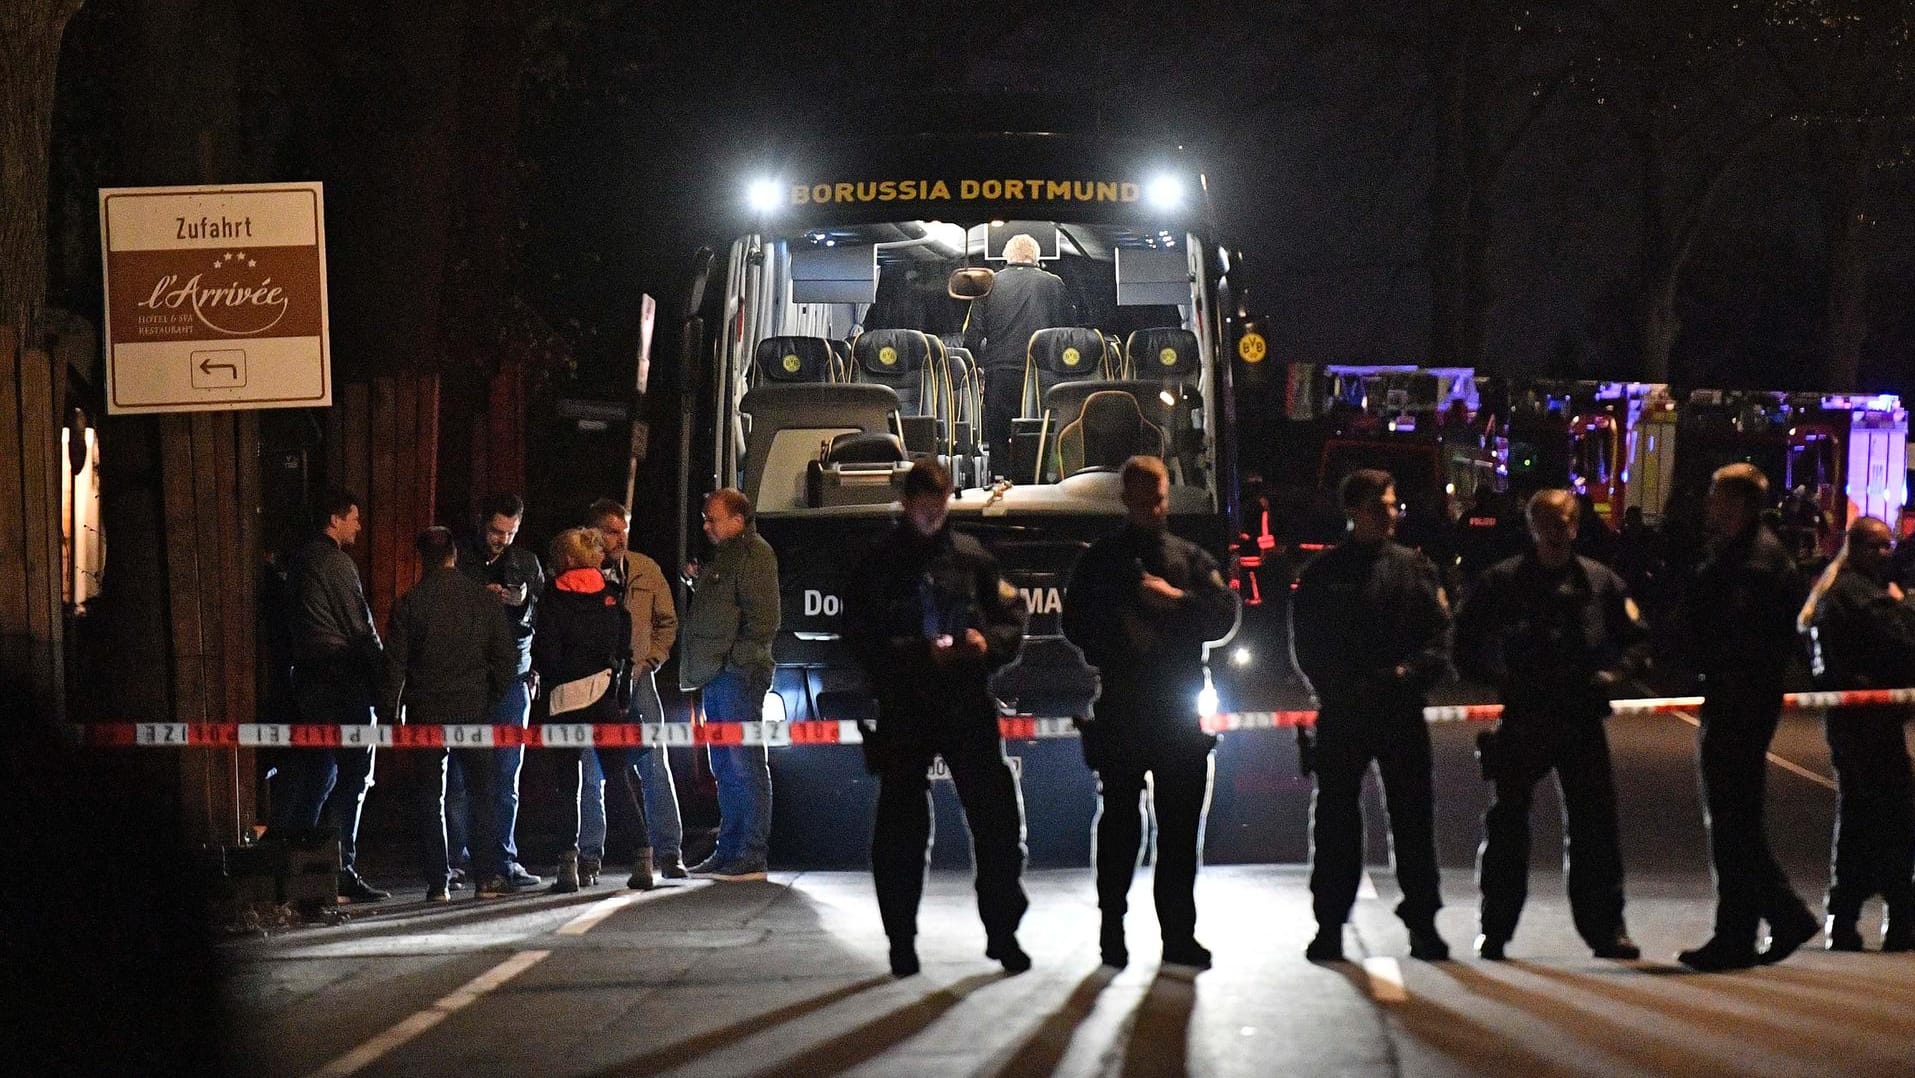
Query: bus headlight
point(765, 194)
point(1207, 703)
point(1165, 192)
point(1240, 657)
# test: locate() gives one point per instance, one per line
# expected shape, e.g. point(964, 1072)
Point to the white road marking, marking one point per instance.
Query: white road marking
point(464, 996)
point(600, 910)
point(1790, 766)
point(1366, 887)
point(1386, 980)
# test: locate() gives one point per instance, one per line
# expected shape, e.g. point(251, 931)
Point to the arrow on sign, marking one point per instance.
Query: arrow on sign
point(207, 366)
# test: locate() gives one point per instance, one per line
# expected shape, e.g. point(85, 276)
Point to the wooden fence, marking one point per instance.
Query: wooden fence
point(32, 399)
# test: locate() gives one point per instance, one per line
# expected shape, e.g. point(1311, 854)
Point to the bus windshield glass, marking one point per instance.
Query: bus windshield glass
point(852, 351)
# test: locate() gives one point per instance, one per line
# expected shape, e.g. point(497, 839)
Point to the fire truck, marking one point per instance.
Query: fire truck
point(1830, 458)
point(1613, 441)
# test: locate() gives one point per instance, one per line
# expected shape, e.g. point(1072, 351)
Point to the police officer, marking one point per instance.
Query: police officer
point(930, 618)
point(1141, 605)
point(1553, 631)
point(1369, 627)
point(1739, 621)
point(1862, 636)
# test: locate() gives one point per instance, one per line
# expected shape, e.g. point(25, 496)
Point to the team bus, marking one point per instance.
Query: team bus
point(828, 351)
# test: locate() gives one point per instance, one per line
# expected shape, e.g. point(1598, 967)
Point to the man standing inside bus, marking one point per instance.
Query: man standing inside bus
point(727, 658)
point(1024, 298)
point(930, 618)
point(1142, 604)
point(1369, 626)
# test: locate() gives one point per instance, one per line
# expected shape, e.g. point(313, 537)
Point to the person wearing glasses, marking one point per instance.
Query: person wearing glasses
point(1370, 631)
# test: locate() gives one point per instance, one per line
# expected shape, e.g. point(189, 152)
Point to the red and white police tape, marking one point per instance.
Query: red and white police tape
point(780, 734)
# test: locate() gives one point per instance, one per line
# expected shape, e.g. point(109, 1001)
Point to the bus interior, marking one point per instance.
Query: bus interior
point(844, 361)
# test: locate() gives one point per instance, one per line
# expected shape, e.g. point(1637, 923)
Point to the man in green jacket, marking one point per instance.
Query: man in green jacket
point(727, 658)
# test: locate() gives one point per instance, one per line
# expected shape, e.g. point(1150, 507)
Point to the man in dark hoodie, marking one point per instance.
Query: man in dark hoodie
point(1862, 636)
point(449, 660)
point(1369, 626)
point(1141, 605)
point(1739, 621)
point(930, 619)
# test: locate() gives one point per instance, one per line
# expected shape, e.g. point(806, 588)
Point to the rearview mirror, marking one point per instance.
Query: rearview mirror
point(969, 282)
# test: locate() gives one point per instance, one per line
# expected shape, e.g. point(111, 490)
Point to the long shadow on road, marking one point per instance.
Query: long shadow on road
point(679, 1054)
point(881, 1034)
point(1045, 1048)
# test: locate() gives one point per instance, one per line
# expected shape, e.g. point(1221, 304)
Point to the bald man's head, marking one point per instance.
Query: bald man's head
point(1869, 545)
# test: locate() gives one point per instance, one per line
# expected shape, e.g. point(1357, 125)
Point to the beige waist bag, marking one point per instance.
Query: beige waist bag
point(580, 694)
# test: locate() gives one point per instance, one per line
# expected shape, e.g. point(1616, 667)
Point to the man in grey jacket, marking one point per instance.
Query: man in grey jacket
point(450, 659)
point(336, 663)
point(727, 658)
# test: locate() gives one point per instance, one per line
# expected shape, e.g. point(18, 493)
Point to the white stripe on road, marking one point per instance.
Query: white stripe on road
point(459, 999)
point(1386, 980)
point(1366, 887)
point(1790, 766)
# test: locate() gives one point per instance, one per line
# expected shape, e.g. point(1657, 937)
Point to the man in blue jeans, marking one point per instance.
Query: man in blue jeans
point(648, 598)
point(514, 576)
point(727, 659)
point(337, 660)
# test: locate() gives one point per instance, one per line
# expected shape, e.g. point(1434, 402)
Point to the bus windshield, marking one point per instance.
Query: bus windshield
point(847, 357)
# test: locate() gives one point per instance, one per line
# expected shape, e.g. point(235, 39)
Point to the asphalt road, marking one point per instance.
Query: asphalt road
point(788, 976)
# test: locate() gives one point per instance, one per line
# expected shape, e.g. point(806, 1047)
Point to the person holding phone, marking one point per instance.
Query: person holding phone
point(514, 577)
point(930, 618)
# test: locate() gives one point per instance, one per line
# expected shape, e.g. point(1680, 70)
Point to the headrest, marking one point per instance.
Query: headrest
point(866, 447)
point(1163, 352)
point(889, 354)
point(1072, 351)
point(1110, 406)
point(794, 359)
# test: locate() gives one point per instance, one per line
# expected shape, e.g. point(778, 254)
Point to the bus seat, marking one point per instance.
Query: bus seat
point(896, 358)
point(789, 424)
point(857, 469)
point(942, 386)
point(865, 447)
point(1109, 430)
point(1163, 353)
point(1119, 361)
point(788, 360)
point(1061, 354)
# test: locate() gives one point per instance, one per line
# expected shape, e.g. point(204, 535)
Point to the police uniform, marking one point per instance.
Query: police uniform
point(912, 590)
point(1150, 669)
point(1369, 627)
point(1864, 639)
point(1546, 638)
point(1739, 618)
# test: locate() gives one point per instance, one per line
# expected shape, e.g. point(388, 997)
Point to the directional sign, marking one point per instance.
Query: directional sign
point(215, 298)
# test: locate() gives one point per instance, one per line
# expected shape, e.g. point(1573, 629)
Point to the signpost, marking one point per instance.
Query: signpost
point(215, 298)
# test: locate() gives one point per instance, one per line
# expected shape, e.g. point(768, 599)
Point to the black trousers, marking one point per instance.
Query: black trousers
point(901, 837)
point(1003, 400)
point(1874, 850)
point(1733, 752)
point(1577, 750)
point(1179, 785)
point(479, 769)
point(1346, 744)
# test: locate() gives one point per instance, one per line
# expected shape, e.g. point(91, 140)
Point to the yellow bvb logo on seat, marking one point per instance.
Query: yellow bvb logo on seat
point(1168, 357)
point(792, 363)
point(1251, 347)
point(888, 356)
point(1071, 357)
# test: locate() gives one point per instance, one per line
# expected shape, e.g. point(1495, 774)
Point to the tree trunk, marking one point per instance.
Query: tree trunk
point(30, 35)
point(1851, 165)
point(1450, 191)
